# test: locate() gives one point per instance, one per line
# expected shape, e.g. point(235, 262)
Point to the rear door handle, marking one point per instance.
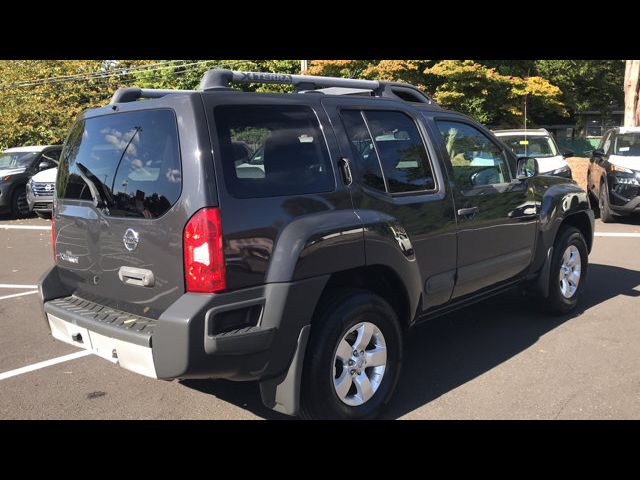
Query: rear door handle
point(345, 169)
point(468, 212)
point(136, 276)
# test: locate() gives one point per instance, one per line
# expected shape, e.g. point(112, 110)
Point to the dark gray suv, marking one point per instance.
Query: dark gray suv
point(295, 239)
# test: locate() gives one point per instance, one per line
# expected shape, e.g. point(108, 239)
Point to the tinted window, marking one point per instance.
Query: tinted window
point(537, 146)
point(10, 160)
point(363, 150)
point(402, 154)
point(272, 150)
point(128, 163)
point(475, 159)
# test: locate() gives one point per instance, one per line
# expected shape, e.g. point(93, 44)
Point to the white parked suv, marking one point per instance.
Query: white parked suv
point(539, 144)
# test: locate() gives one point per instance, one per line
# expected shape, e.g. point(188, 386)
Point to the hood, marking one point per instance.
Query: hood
point(632, 163)
point(549, 164)
point(11, 171)
point(46, 176)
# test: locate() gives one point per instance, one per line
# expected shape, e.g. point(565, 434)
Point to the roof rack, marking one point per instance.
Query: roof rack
point(219, 79)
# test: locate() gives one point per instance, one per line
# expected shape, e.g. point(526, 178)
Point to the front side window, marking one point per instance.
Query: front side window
point(128, 163)
point(475, 159)
point(389, 149)
point(9, 160)
point(272, 150)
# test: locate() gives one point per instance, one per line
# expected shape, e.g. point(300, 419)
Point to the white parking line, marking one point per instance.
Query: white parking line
point(46, 363)
point(10, 285)
point(616, 234)
point(24, 227)
point(19, 294)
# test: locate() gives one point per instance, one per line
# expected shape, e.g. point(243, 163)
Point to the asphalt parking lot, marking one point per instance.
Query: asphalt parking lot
point(500, 359)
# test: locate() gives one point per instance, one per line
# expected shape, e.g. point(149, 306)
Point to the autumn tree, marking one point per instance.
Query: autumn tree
point(39, 99)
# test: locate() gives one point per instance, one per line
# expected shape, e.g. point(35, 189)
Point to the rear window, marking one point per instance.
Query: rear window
point(126, 163)
point(272, 150)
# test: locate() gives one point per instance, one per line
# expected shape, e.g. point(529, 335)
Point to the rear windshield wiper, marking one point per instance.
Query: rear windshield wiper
point(100, 200)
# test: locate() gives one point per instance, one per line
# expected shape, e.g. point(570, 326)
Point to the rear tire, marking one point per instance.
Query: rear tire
point(19, 205)
point(335, 383)
point(606, 215)
point(568, 273)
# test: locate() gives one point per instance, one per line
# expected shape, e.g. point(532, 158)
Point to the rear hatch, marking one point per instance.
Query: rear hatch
point(117, 228)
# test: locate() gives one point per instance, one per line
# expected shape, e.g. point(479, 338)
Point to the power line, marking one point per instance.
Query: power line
point(114, 73)
point(83, 75)
point(105, 80)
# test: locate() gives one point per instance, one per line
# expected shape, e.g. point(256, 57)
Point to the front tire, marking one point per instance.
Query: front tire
point(568, 271)
point(19, 204)
point(353, 360)
point(606, 215)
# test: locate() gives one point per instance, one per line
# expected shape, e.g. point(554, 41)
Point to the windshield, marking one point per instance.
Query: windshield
point(627, 145)
point(16, 159)
point(531, 146)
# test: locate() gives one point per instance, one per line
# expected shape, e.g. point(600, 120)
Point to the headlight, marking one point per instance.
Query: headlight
point(616, 168)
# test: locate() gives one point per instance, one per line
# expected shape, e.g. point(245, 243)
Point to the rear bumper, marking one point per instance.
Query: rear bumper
point(189, 339)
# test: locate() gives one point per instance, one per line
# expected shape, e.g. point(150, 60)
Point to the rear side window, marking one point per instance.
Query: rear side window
point(128, 163)
point(272, 150)
point(388, 148)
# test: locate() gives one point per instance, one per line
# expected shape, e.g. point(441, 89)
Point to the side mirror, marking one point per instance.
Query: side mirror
point(568, 153)
point(44, 165)
point(598, 152)
point(527, 167)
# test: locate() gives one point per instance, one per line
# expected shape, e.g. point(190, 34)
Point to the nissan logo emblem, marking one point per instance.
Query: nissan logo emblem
point(130, 239)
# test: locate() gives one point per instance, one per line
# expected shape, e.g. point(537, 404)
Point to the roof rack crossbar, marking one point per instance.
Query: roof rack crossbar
point(131, 94)
point(216, 79)
point(222, 79)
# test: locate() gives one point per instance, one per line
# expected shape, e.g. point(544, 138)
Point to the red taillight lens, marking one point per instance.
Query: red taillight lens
point(203, 255)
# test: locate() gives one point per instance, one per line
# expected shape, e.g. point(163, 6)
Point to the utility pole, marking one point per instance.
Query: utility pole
point(303, 65)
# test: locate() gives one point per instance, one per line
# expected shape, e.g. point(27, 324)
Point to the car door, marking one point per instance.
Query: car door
point(396, 176)
point(497, 215)
point(597, 171)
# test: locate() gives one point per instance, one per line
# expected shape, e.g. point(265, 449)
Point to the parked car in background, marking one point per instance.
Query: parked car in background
point(539, 144)
point(613, 176)
point(40, 190)
point(17, 166)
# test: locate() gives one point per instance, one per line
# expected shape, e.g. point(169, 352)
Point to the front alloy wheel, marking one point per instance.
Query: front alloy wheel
point(570, 271)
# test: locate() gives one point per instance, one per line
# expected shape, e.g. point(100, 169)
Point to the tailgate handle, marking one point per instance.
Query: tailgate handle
point(136, 276)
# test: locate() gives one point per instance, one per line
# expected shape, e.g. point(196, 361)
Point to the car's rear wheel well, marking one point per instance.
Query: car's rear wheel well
point(581, 222)
point(378, 279)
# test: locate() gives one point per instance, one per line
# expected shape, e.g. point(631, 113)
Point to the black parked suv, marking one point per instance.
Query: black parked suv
point(294, 239)
point(17, 166)
point(614, 173)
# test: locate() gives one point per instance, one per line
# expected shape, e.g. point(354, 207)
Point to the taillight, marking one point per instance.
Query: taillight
point(204, 269)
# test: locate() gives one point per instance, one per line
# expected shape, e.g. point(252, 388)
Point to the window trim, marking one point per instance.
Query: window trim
point(419, 129)
point(464, 121)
